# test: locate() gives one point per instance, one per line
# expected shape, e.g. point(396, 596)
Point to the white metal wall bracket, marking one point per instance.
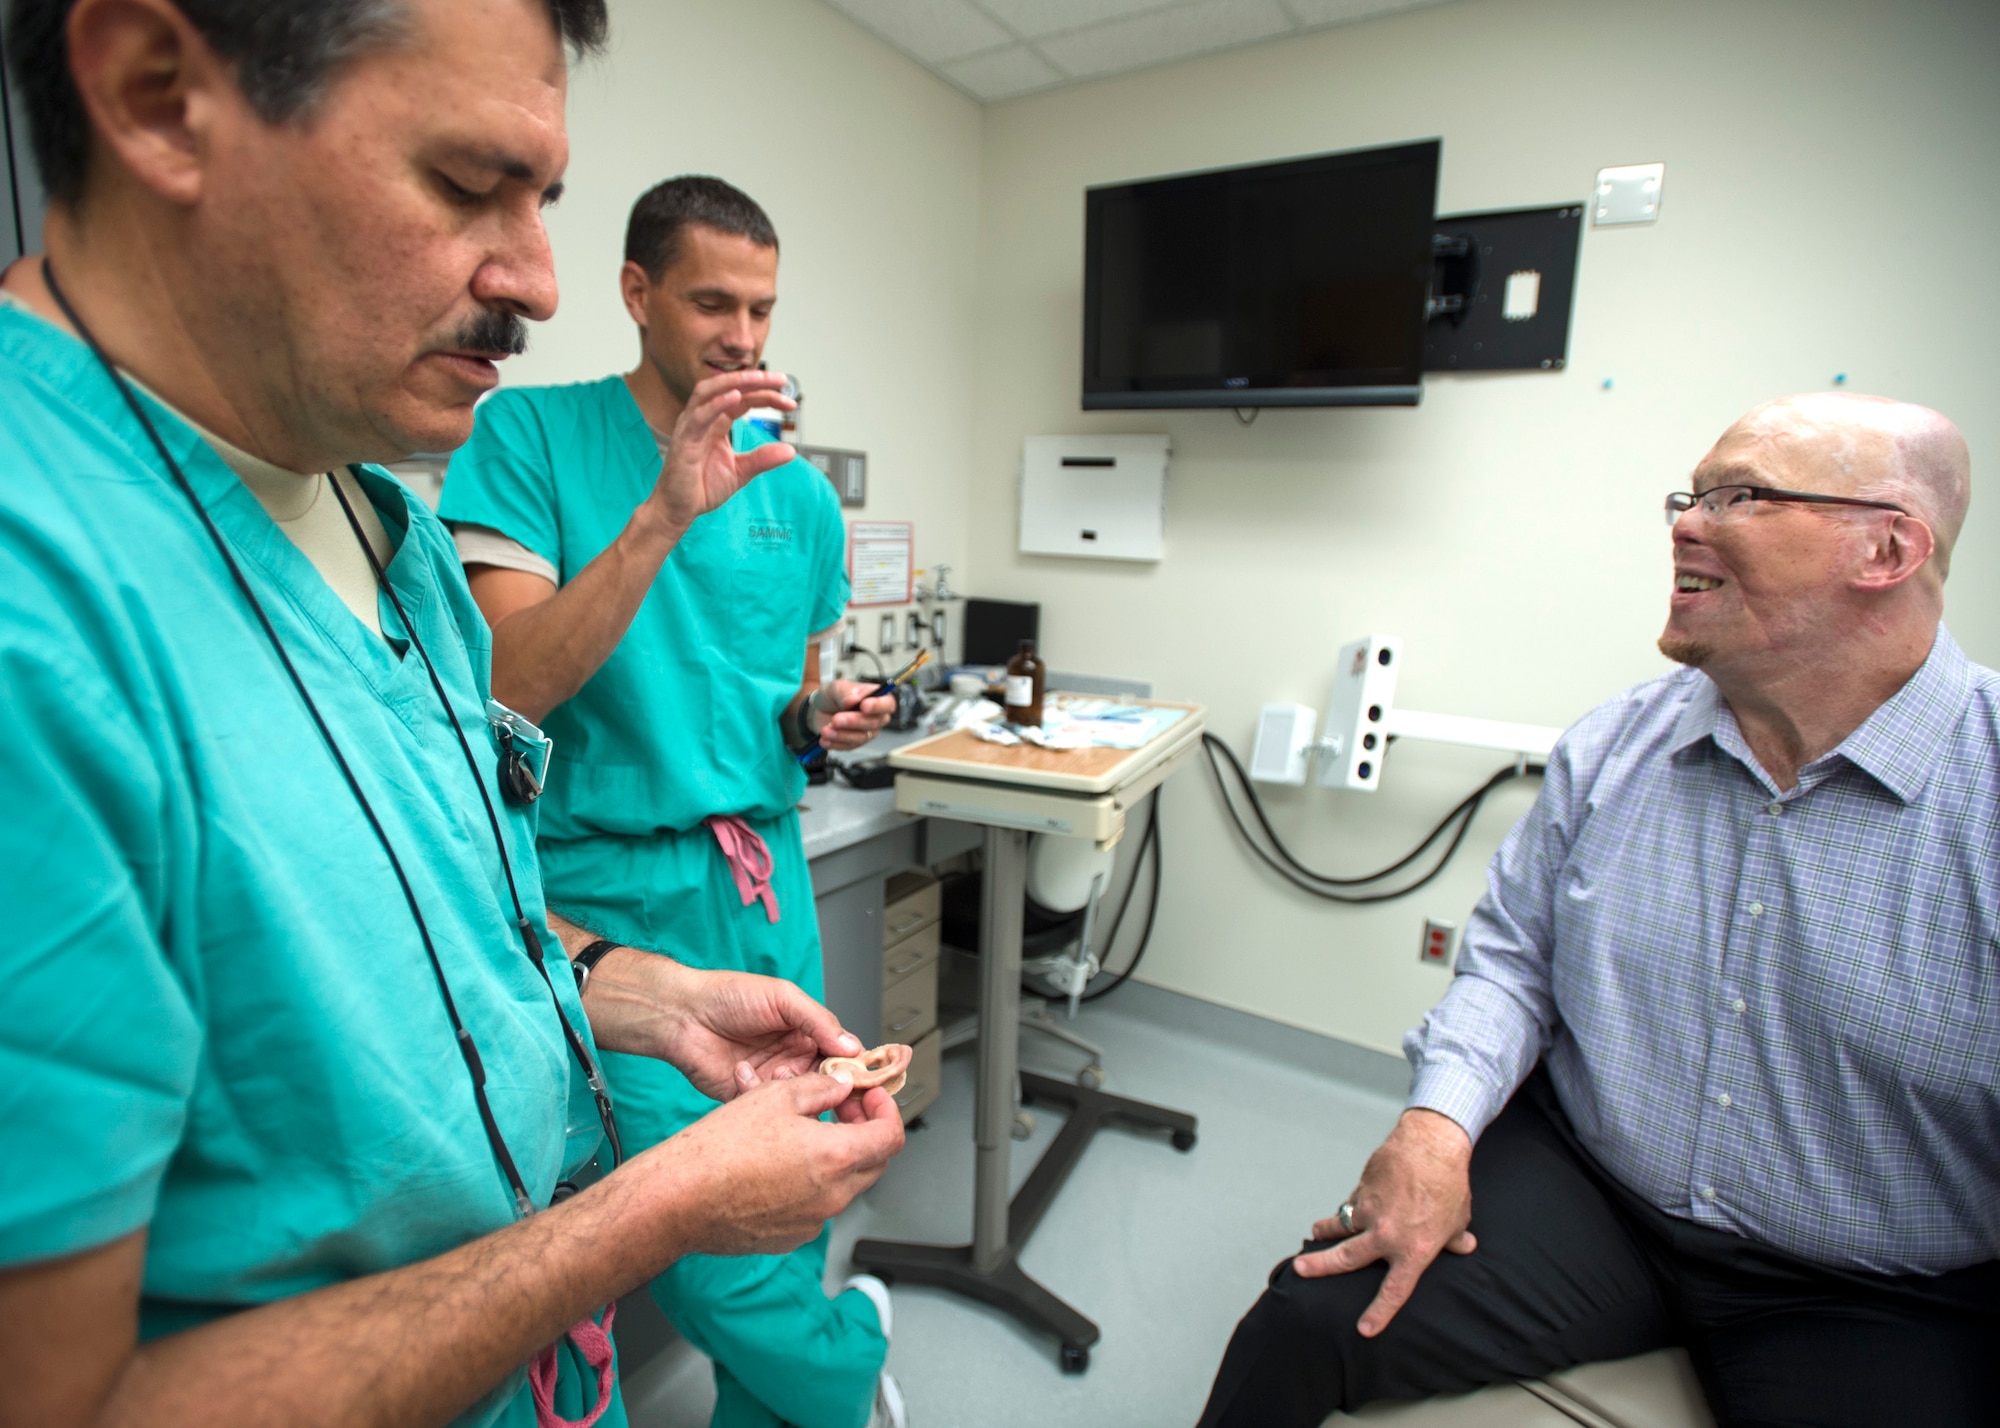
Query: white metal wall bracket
point(1362, 717)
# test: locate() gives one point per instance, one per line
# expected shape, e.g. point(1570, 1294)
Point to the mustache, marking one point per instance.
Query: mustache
point(491, 331)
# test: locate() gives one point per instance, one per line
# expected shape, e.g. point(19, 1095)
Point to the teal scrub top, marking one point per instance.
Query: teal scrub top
point(682, 722)
point(219, 1022)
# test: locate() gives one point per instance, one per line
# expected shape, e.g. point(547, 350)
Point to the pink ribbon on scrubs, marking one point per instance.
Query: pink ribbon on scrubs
point(594, 1342)
point(749, 859)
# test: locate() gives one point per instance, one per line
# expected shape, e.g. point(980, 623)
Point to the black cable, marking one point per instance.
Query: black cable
point(531, 941)
point(468, 1051)
point(1152, 846)
point(1211, 745)
point(1320, 885)
point(1323, 885)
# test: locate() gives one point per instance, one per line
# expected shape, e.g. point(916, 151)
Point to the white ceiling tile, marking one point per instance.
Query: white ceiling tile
point(1003, 73)
point(932, 31)
point(1031, 19)
point(1315, 13)
point(1156, 38)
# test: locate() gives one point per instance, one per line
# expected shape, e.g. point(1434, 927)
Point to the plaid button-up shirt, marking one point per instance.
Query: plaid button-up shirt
point(1774, 1013)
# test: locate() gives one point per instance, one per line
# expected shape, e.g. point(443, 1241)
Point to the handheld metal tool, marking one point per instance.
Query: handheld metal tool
point(887, 686)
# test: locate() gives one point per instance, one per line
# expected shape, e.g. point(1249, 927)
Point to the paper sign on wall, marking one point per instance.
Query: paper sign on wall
point(879, 567)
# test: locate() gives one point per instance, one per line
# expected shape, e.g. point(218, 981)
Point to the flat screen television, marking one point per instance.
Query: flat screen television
point(1294, 284)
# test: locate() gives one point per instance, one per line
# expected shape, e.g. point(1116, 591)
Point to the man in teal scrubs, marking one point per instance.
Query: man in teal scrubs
point(674, 661)
point(250, 1170)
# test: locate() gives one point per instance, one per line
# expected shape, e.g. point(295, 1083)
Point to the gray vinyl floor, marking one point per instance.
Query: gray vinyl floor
point(1164, 1250)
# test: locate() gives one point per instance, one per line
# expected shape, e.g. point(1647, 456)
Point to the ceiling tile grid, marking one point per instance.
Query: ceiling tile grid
point(1155, 38)
point(929, 31)
point(1001, 74)
point(1001, 49)
point(1318, 14)
point(1037, 19)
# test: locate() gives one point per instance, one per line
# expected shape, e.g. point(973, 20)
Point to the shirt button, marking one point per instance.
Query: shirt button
point(1739, 1006)
point(1774, 808)
point(1724, 1101)
point(1708, 1193)
point(1756, 909)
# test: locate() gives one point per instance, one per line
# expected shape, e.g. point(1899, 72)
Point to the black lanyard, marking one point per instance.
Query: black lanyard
point(531, 942)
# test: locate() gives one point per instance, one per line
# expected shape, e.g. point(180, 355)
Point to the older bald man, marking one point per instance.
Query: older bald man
point(1719, 1064)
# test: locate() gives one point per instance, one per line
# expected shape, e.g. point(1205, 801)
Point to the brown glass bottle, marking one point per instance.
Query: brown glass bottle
point(1025, 674)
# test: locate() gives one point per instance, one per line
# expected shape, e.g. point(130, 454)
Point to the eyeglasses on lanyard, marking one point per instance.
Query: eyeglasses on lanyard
point(531, 941)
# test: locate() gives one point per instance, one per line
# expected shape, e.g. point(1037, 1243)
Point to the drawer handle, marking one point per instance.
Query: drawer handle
point(912, 1092)
point(913, 1016)
point(911, 965)
point(898, 929)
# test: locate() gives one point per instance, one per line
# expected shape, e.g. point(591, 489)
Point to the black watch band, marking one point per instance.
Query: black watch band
point(802, 722)
point(585, 962)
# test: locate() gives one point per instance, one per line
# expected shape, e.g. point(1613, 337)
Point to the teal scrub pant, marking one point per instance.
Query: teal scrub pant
point(784, 1352)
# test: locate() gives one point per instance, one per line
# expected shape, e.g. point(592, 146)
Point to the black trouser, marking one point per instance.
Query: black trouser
point(1571, 1268)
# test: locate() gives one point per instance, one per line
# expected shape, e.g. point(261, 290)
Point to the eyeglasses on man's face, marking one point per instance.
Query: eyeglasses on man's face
point(1732, 503)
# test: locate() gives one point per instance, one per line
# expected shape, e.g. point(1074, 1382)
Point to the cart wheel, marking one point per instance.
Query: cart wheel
point(1183, 1140)
point(1024, 1125)
point(1091, 1077)
point(1074, 1359)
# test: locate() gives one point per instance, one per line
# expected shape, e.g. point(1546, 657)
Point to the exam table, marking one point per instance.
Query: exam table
point(1656, 1390)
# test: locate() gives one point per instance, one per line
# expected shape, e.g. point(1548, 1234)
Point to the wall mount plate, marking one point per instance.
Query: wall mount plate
point(1629, 193)
point(1502, 287)
point(847, 470)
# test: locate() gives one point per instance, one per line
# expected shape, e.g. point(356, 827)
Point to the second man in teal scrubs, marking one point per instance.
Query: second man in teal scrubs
point(673, 660)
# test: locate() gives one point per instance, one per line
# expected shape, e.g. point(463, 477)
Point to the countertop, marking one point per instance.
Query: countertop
point(834, 816)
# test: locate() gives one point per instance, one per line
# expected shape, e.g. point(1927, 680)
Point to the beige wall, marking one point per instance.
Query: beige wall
point(1829, 207)
point(868, 166)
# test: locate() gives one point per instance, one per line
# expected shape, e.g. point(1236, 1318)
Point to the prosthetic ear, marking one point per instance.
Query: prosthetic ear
point(885, 1066)
point(1904, 549)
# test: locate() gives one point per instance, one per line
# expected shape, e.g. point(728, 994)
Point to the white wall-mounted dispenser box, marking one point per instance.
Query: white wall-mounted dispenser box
point(1103, 496)
point(1284, 743)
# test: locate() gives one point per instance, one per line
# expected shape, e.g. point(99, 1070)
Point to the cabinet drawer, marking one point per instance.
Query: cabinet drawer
point(909, 901)
point(926, 1066)
point(914, 951)
point(909, 1007)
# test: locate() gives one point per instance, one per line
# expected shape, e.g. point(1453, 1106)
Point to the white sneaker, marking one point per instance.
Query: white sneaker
point(878, 1295)
point(889, 1411)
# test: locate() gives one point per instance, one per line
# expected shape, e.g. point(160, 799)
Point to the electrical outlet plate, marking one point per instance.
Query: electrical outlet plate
point(1357, 717)
point(1436, 948)
point(1627, 194)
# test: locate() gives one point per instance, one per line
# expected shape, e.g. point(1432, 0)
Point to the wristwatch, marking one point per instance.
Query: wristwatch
point(802, 721)
point(585, 962)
